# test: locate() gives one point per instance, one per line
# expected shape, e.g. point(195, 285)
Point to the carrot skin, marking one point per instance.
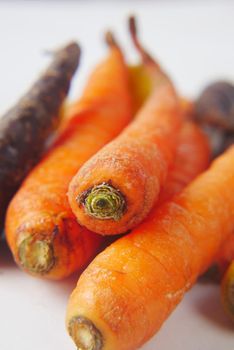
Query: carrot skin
point(25, 128)
point(192, 142)
point(130, 289)
point(135, 164)
point(41, 230)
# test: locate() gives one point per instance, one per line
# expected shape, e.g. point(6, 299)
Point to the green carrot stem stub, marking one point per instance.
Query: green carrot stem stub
point(103, 202)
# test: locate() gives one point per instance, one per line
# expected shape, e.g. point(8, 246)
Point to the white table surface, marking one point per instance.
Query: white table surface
point(194, 41)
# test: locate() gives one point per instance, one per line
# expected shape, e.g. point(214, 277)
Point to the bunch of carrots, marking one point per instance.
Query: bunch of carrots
point(130, 157)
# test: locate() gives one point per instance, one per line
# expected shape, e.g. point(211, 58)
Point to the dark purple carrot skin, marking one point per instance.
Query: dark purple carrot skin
point(215, 105)
point(25, 128)
point(214, 110)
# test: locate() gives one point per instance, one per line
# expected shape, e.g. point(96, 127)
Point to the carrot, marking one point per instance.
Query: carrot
point(130, 289)
point(118, 186)
point(214, 106)
point(192, 157)
point(214, 112)
point(225, 255)
point(187, 107)
point(25, 128)
point(41, 230)
point(227, 291)
point(141, 82)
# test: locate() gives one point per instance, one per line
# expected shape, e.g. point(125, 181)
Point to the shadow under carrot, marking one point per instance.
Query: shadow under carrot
point(208, 304)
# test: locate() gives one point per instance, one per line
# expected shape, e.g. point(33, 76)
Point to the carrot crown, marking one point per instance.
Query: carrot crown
point(36, 256)
point(85, 335)
point(103, 202)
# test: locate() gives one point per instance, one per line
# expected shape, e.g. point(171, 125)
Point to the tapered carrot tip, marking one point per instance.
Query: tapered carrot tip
point(132, 25)
point(85, 335)
point(36, 256)
point(227, 291)
point(103, 202)
point(110, 39)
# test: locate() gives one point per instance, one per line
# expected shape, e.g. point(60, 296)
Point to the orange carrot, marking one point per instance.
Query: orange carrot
point(118, 186)
point(131, 288)
point(192, 157)
point(41, 230)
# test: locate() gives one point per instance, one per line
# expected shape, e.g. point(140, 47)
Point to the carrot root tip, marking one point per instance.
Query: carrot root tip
point(110, 39)
point(36, 256)
point(103, 202)
point(85, 335)
point(132, 25)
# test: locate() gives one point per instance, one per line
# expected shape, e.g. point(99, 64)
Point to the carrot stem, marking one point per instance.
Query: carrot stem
point(85, 334)
point(37, 256)
point(103, 201)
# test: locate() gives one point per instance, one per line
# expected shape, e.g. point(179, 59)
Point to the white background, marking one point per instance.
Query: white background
point(194, 41)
